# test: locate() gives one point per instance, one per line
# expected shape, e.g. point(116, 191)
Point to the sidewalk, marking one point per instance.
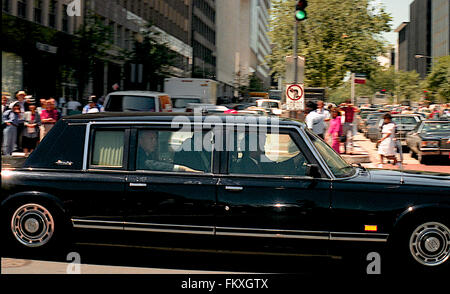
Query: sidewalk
point(366, 147)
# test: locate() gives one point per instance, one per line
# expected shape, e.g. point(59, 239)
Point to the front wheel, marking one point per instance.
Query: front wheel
point(429, 244)
point(422, 247)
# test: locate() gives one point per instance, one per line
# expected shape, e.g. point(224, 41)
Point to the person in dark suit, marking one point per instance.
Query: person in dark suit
point(148, 155)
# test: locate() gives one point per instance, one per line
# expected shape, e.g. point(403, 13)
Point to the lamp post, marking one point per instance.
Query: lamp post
point(420, 56)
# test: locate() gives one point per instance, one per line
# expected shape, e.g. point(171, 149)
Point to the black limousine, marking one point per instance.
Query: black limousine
point(243, 181)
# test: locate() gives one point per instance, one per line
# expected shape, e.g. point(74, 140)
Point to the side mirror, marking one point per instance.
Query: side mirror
point(312, 170)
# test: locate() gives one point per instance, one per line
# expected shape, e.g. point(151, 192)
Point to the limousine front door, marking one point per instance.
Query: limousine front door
point(268, 198)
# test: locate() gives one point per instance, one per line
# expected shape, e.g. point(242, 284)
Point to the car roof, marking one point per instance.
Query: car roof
point(169, 117)
point(138, 93)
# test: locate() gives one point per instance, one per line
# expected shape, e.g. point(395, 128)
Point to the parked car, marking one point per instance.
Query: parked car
point(429, 138)
point(370, 128)
point(273, 105)
point(362, 117)
point(143, 101)
point(404, 123)
point(143, 174)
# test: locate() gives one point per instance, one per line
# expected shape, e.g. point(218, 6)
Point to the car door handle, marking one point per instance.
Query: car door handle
point(234, 188)
point(138, 185)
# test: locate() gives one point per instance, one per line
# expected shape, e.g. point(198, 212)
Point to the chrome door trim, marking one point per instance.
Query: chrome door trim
point(229, 231)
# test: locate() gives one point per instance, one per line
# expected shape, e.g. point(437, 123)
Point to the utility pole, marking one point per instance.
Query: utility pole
point(295, 52)
point(353, 89)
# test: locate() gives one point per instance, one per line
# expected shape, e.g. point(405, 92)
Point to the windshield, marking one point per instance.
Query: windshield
point(441, 127)
point(338, 166)
point(183, 102)
point(404, 120)
point(131, 103)
point(270, 105)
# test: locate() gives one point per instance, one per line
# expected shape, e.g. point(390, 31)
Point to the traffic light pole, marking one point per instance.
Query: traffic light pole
point(295, 52)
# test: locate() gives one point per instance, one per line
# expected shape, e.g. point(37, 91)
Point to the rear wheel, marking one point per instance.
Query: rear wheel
point(35, 226)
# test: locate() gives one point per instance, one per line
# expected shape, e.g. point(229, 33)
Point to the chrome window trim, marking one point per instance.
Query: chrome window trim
point(300, 131)
point(229, 231)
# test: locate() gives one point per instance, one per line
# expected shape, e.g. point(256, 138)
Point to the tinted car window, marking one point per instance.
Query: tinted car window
point(64, 143)
point(173, 151)
point(266, 154)
point(131, 103)
point(108, 148)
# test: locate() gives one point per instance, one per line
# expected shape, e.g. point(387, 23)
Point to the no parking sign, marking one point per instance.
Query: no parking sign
point(295, 97)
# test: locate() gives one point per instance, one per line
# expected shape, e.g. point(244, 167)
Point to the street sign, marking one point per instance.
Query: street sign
point(295, 97)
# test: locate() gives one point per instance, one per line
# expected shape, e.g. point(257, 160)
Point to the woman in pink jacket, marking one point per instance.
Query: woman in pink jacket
point(335, 130)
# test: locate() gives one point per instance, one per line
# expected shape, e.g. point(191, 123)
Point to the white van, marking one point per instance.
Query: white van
point(186, 90)
point(129, 101)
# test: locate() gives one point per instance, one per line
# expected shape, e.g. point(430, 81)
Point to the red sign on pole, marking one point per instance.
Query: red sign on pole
point(295, 97)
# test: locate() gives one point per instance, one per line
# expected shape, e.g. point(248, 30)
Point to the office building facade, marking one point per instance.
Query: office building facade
point(440, 28)
point(242, 42)
point(204, 39)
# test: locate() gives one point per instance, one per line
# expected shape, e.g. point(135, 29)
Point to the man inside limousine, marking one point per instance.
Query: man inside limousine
point(148, 155)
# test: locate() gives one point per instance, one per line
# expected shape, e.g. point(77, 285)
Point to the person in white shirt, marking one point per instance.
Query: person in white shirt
point(317, 118)
point(386, 145)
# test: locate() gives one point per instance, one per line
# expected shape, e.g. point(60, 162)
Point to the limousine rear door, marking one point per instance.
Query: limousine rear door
point(171, 187)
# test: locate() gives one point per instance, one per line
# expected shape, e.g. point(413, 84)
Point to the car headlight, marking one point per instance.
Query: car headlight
point(430, 144)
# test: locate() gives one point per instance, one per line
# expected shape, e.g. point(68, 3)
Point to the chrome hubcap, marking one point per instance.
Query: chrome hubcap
point(32, 225)
point(430, 244)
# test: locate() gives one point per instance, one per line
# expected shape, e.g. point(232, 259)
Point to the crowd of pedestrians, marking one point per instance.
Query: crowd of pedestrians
point(334, 124)
point(25, 121)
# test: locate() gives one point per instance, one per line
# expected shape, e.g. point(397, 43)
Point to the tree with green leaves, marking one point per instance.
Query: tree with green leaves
point(91, 43)
point(438, 81)
point(154, 55)
point(339, 36)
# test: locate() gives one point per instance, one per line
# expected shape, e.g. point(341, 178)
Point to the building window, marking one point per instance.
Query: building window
point(6, 5)
point(38, 11)
point(52, 14)
point(65, 20)
point(22, 8)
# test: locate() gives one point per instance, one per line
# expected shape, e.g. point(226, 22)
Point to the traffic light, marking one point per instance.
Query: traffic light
point(383, 91)
point(300, 13)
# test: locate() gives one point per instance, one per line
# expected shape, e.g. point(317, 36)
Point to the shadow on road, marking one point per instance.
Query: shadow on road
point(211, 262)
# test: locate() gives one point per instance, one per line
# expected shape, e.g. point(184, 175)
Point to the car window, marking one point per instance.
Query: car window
point(443, 127)
point(173, 151)
point(131, 103)
point(404, 120)
point(108, 148)
point(269, 105)
point(265, 154)
point(183, 102)
point(338, 166)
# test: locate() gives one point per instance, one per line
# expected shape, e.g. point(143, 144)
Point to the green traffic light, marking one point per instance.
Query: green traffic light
point(300, 15)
